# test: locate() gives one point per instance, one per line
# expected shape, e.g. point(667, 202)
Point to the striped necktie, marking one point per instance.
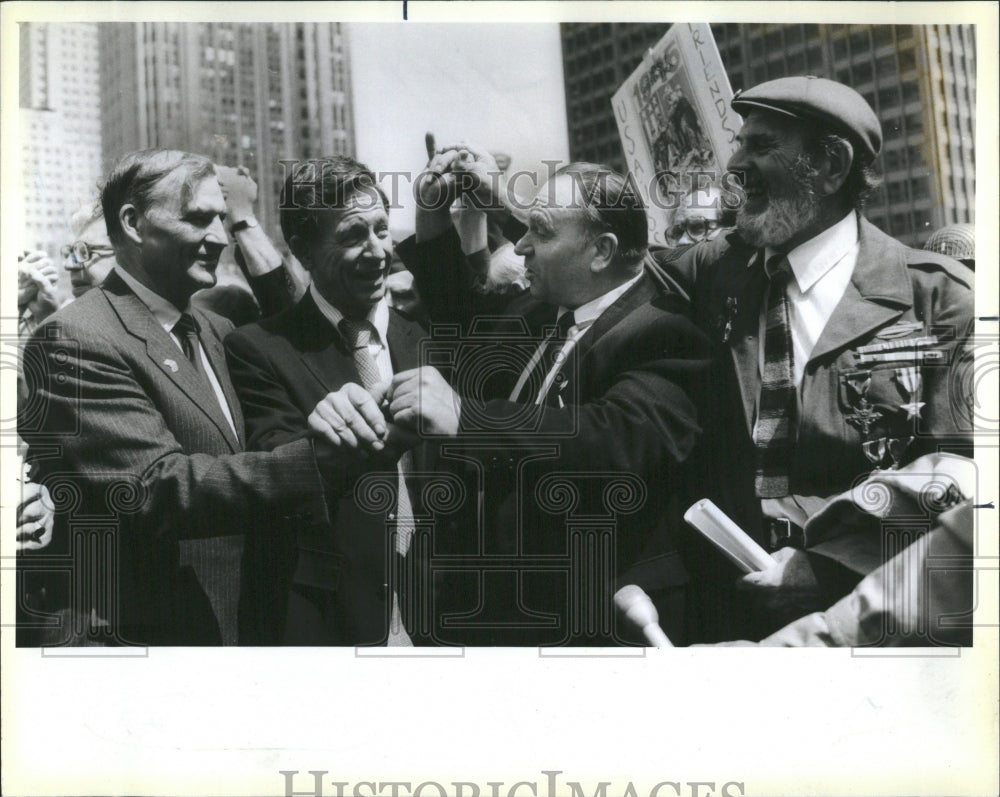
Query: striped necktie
point(777, 408)
point(529, 384)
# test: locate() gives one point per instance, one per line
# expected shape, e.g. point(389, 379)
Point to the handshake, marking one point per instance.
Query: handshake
point(391, 415)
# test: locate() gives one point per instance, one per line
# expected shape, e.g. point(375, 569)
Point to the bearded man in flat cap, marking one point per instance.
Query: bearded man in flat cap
point(837, 349)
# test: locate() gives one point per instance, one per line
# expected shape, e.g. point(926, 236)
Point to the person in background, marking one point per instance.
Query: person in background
point(37, 290)
point(90, 258)
point(700, 216)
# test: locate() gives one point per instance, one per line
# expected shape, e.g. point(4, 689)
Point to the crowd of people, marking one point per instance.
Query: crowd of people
point(478, 435)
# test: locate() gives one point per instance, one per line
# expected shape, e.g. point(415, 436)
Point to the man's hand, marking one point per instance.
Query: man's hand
point(37, 284)
point(240, 192)
point(35, 515)
point(436, 190)
point(351, 418)
point(789, 588)
point(477, 171)
point(27, 288)
point(422, 401)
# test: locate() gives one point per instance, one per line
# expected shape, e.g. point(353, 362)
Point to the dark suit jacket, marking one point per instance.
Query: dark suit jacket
point(895, 294)
point(550, 474)
point(131, 442)
point(335, 582)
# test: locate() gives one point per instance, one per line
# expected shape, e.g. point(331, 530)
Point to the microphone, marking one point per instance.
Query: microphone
point(640, 612)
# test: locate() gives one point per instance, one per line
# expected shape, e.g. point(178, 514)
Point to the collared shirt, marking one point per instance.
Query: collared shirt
point(378, 316)
point(167, 316)
point(584, 317)
point(822, 267)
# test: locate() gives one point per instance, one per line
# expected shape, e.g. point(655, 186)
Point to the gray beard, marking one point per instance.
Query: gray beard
point(784, 215)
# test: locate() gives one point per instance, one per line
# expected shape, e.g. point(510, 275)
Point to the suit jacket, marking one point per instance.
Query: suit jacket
point(333, 585)
point(140, 453)
point(552, 476)
point(896, 296)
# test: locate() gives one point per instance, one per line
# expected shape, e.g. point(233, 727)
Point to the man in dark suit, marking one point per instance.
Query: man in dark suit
point(837, 349)
point(343, 587)
point(135, 428)
point(573, 405)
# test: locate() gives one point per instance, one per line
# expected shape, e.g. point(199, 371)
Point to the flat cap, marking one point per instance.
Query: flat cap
point(809, 97)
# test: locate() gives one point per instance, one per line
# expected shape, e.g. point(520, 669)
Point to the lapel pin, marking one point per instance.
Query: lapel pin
point(725, 321)
point(172, 365)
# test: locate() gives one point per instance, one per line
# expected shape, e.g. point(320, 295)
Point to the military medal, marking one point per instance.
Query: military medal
point(897, 448)
point(864, 414)
point(909, 379)
point(875, 450)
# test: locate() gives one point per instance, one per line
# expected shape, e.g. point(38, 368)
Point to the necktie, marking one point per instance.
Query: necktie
point(359, 335)
point(777, 409)
point(187, 330)
point(532, 379)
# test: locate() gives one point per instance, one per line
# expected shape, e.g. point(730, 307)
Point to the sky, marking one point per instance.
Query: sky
point(498, 86)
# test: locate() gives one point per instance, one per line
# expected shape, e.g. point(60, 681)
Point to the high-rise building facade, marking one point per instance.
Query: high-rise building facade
point(919, 79)
point(60, 128)
point(243, 94)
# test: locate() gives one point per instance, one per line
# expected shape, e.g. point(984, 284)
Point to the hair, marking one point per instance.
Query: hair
point(613, 204)
point(133, 180)
point(863, 179)
point(337, 178)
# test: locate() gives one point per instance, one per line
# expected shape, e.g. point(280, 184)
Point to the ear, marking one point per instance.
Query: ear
point(301, 251)
point(128, 217)
point(605, 249)
point(835, 168)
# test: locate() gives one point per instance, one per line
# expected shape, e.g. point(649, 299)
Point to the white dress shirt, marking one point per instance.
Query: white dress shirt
point(167, 316)
point(822, 267)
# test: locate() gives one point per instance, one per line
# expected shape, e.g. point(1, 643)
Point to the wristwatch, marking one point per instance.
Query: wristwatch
point(244, 224)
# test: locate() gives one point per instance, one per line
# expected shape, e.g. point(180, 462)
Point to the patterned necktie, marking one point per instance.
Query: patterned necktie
point(777, 409)
point(359, 335)
point(529, 384)
point(187, 330)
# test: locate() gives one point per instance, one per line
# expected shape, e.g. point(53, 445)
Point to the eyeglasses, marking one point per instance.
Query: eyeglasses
point(696, 227)
point(83, 253)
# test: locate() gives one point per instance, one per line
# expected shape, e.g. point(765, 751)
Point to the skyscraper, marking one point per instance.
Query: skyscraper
point(60, 128)
point(243, 94)
point(919, 79)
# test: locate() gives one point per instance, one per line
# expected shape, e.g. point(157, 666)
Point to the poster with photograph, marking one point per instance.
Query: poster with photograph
point(674, 119)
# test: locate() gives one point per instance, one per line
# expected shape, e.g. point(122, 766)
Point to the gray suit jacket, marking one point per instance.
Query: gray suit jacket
point(129, 441)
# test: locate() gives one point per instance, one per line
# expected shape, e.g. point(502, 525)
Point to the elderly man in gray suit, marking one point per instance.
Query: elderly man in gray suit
point(134, 422)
